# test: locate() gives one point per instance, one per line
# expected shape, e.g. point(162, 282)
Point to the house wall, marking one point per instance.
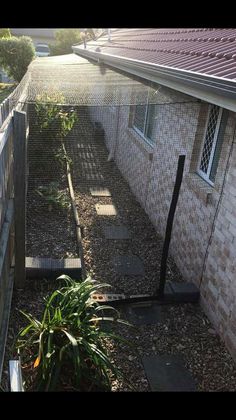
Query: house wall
point(204, 230)
point(218, 288)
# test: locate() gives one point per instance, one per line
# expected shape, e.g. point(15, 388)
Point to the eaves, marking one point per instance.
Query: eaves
point(219, 91)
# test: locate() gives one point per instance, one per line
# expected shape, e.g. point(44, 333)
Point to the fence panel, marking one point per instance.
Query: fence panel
point(7, 242)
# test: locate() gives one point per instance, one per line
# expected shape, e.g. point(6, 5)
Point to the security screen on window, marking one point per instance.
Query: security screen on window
point(213, 138)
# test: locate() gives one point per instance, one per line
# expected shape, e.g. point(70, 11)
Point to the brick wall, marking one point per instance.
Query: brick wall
point(204, 214)
point(218, 288)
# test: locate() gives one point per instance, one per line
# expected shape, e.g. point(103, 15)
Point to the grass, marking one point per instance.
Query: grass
point(5, 90)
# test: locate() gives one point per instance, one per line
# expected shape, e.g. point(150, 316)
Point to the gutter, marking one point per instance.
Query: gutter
point(221, 92)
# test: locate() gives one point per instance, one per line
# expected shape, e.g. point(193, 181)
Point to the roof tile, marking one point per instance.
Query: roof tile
point(201, 50)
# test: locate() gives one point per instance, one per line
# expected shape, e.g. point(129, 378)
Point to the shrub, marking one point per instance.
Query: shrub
point(53, 122)
point(65, 38)
point(67, 347)
point(53, 196)
point(16, 53)
point(5, 33)
point(52, 115)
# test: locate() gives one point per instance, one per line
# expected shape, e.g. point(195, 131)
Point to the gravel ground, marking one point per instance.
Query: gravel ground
point(185, 329)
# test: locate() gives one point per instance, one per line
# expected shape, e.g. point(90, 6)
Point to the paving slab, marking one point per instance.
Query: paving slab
point(128, 265)
point(143, 313)
point(167, 373)
point(37, 267)
point(106, 210)
point(116, 232)
point(99, 192)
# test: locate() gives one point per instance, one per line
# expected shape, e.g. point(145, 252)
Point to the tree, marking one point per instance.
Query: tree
point(5, 33)
point(65, 38)
point(16, 53)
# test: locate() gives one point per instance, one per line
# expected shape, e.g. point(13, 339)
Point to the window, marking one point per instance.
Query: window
point(212, 143)
point(144, 121)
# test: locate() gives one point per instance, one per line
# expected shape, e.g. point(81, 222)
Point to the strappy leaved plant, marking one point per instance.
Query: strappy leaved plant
point(66, 350)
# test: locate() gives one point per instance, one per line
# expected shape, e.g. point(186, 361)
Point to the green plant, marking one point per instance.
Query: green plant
point(16, 53)
point(5, 33)
point(67, 347)
point(65, 38)
point(54, 196)
point(54, 121)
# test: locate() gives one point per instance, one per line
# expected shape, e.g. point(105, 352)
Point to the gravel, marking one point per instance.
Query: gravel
point(185, 329)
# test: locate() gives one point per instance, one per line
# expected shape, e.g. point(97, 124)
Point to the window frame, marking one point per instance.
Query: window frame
point(206, 176)
point(137, 130)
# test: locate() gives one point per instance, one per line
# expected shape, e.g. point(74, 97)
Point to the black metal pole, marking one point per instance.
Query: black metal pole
point(169, 224)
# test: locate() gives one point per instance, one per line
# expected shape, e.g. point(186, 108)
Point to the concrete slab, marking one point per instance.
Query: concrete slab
point(167, 373)
point(184, 292)
point(116, 232)
point(128, 265)
point(100, 192)
point(143, 313)
point(37, 267)
point(106, 210)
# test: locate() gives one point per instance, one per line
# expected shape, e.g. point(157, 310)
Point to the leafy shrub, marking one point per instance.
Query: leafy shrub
point(53, 122)
point(16, 53)
point(53, 196)
point(51, 115)
point(65, 38)
point(5, 33)
point(67, 347)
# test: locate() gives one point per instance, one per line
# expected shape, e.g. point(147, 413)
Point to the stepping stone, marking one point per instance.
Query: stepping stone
point(128, 265)
point(116, 232)
point(184, 292)
point(93, 176)
point(167, 373)
point(51, 267)
point(106, 209)
point(142, 313)
point(100, 192)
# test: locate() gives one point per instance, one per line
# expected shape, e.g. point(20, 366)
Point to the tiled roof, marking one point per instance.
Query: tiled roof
point(206, 51)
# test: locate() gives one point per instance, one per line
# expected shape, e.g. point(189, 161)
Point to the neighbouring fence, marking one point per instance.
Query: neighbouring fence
point(6, 231)
point(4, 110)
point(12, 209)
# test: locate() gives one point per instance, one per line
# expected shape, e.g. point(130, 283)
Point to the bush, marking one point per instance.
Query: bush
point(53, 196)
point(53, 123)
point(65, 38)
point(16, 53)
point(66, 350)
point(5, 33)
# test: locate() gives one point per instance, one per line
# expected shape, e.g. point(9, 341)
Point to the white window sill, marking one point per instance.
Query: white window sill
point(201, 188)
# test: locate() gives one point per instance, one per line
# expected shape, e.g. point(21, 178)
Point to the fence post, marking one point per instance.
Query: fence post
point(20, 162)
point(169, 224)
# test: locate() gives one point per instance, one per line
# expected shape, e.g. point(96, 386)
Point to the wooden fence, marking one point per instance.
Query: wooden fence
point(12, 212)
point(4, 110)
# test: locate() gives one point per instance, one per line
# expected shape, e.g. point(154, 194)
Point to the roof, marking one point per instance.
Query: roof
point(35, 32)
point(205, 51)
point(200, 62)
